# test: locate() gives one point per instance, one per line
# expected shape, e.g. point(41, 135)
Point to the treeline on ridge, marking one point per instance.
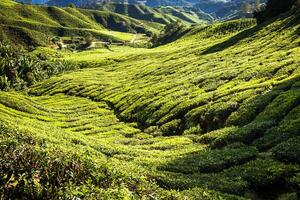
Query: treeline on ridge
point(274, 8)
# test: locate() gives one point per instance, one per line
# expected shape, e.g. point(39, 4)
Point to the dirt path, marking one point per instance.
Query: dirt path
point(94, 44)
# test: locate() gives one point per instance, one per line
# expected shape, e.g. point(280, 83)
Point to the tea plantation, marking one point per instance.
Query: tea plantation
point(213, 115)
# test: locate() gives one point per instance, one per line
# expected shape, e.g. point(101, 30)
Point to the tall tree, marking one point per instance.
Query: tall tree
point(274, 8)
point(246, 8)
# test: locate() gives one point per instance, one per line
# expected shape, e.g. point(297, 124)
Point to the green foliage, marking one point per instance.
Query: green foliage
point(171, 127)
point(88, 39)
point(71, 5)
point(18, 70)
point(30, 172)
point(263, 173)
point(171, 32)
point(288, 151)
point(273, 9)
point(161, 15)
point(211, 160)
point(212, 115)
point(33, 25)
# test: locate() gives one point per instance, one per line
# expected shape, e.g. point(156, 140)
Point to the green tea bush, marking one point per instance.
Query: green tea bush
point(171, 128)
point(288, 128)
point(248, 111)
point(295, 182)
point(288, 196)
point(210, 137)
point(30, 172)
point(246, 134)
point(263, 173)
point(288, 151)
point(214, 181)
point(204, 194)
point(211, 160)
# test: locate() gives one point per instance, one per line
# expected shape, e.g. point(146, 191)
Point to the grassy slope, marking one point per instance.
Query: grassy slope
point(163, 15)
point(217, 109)
point(34, 25)
point(187, 14)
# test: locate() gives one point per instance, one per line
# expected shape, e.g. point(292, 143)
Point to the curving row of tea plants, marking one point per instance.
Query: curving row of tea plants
point(32, 25)
point(213, 115)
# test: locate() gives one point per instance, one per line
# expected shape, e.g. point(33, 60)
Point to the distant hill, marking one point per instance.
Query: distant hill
point(162, 15)
point(151, 3)
point(34, 25)
point(187, 14)
point(219, 9)
point(225, 9)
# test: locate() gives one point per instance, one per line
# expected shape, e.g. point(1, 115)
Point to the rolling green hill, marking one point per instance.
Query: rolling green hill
point(35, 25)
point(189, 15)
point(213, 115)
point(163, 15)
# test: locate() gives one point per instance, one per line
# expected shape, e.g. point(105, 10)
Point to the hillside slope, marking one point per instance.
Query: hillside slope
point(35, 25)
point(163, 15)
point(213, 115)
point(219, 9)
point(225, 9)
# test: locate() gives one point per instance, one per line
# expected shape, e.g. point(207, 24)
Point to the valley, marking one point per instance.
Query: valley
point(214, 114)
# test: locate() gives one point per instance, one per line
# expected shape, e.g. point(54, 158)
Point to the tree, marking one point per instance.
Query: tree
point(88, 38)
point(274, 8)
point(171, 31)
point(246, 8)
point(71, 5)
point(279, 6)
point(154, 39)
point(55, 40)
point(257, 5)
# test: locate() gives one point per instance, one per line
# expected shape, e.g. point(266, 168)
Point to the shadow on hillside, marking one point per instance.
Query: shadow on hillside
point(298, 31)
point(206, 169)
point(235, 39)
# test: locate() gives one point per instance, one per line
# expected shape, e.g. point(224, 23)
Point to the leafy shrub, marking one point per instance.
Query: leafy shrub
point(263, 173)
point(288, 151)
point(30, 170)
point(171, 128)
point(171, 32)
point(213, 181)
point(31, 173)
point(210, 137)
point(204, 194)
point(288, 196)
point(245, 134)
point(193, 130)
point(211, 160)
point(249, 110)
point(289, 127)
point(153, 130)
point(18, 70)
point(295, 182)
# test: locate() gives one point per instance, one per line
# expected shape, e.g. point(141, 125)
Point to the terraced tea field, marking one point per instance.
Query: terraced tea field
point(213, 115)
point(26, 25)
